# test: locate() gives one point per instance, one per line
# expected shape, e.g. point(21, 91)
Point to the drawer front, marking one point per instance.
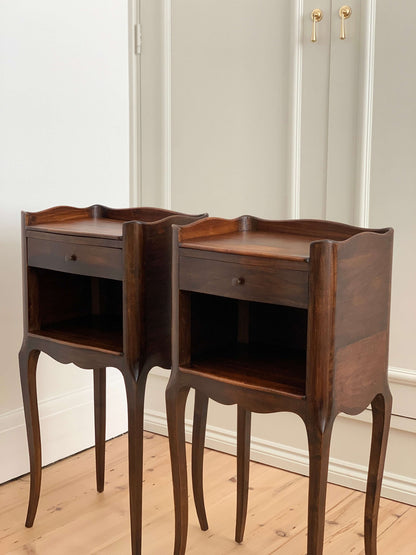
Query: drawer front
point(264, 282)
point(73, 258)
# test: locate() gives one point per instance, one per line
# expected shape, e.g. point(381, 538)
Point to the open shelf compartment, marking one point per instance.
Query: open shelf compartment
point(75, 309)
point(255, 345)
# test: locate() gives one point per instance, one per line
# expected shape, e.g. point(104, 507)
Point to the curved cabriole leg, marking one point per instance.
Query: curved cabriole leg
point(135, 407)
point(198, 442)
point(381, 407)
point(28, 360)
point(319, 443)
point(243, 468)
point(175, 408)
point(99, 421)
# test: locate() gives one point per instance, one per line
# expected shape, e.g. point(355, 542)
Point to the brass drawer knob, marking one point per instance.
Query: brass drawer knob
point(70, 257)
point(237, 281)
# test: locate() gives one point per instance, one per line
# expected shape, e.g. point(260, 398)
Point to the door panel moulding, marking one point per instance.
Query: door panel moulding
point(167, 105)
point(135, 126)
point(368, 13)
point(296, 55)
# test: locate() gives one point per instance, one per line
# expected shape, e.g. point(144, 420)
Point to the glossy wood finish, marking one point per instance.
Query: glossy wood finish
point(99, 424)
point(28, 364)
point(324, 356)
point(253, 279)
point(243, 469)
point(74, 258)
point(97, 294)
point(198, 443)
point(381, 408)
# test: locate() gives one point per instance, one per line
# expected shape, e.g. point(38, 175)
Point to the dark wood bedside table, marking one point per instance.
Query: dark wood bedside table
point(280, 316)
point(97, 293)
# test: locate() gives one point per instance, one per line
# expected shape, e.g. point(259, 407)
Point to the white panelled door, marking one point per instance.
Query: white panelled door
point(240, 112)
point(256, 118)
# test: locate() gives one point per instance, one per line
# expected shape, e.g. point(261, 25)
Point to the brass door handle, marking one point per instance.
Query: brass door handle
point(316, 16)
point(344, 13)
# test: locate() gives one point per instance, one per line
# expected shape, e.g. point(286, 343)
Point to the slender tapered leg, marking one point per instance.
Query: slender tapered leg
point(319, 443)
point(175, 408)
point(135, 407)
point(243, 468)
point(28, 360)
point(99, 421)
point(381, 407)
point(198, 442)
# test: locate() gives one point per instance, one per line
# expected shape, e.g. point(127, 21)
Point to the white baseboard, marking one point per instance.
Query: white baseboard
point(344, 473)
point(67, 428)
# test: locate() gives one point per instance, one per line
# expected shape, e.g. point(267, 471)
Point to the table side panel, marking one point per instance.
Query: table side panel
point(362, 313)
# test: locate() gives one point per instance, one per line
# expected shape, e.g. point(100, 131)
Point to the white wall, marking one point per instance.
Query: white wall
point(64, 139)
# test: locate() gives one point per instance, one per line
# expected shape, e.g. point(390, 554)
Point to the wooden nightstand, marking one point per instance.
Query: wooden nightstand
point(97, 293)
point(280, 316)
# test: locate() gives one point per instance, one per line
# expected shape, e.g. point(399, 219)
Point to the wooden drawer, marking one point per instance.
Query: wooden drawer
point(258, 281)
point(75, 258)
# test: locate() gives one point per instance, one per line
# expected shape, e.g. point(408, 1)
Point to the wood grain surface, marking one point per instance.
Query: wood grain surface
point(73, 517)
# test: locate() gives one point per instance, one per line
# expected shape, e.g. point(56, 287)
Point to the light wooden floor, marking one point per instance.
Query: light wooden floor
point(73, 519)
